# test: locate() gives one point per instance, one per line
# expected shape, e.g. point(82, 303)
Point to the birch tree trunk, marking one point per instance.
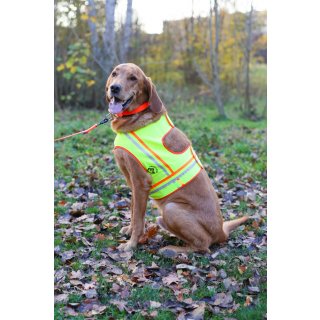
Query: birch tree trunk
point(248, 107)
point(214, 58)
point(109, 37)
point(124, 48)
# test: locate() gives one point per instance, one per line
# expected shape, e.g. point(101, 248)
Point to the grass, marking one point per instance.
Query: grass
point(234, 148)
point(147, 293)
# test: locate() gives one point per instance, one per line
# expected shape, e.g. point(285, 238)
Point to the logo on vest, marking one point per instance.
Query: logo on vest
point(152, 169)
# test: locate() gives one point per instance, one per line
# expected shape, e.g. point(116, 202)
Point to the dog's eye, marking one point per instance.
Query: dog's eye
point(133, 78)
point(114, 74)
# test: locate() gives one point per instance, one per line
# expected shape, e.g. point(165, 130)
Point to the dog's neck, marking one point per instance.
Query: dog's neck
point(135, 121)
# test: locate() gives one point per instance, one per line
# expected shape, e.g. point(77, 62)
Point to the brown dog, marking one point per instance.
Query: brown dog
point(192, 213)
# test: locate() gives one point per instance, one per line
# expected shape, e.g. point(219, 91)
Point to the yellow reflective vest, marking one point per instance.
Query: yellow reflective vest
point(169, 170)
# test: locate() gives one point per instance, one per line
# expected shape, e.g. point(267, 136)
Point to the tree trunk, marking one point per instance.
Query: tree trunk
point(56, 89)
point(92, 13)
point(109, 37)
point(214, 58)
point(248, 107)
point(124, 48)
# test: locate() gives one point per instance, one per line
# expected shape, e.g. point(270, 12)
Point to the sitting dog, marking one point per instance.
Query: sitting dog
point(158, 160)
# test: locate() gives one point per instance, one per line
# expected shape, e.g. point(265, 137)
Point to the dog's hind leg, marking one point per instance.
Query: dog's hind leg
point(184, 225)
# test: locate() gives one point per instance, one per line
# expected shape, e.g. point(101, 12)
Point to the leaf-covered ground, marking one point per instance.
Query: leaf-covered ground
point(95, 281)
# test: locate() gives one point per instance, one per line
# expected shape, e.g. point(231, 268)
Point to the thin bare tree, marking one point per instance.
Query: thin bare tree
point(249, 110)
point(56, 89)
point(214, 84)
point(214, 57)
point(124, 48)
point(92, 14)
point(109, 37)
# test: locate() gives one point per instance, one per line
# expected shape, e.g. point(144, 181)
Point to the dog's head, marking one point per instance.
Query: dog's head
point(127, 84)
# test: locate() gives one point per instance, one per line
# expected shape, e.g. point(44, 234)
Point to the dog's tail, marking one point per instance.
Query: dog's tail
point(230, 225)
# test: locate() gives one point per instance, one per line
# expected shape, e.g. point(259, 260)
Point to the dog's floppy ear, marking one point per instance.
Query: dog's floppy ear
point(155, 102)
point(106, 88)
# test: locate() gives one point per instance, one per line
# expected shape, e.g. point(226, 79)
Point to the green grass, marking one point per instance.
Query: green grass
point(147, 293)
point(236, 147)
point(202, 292)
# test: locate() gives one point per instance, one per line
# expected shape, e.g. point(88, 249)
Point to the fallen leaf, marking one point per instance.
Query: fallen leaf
point(77, 209)
point(150, 233)
point(90, 307)
point(222, 300)
point(122, 204)
point(119, 303)
point(242, 269)
point(248, 301)
point(254, 289)
point(92, 195)
point(76, 282)
point(75, 274)
point(115, 288)
point(62, 203)
point(153, 266)
point(154, 304)
point(197, 313)
point(171, 278)
point(185, 266)
point(91, 293)
point(168, 253)
point(255, 224)
point(213, 256)
point(188, 300)
point(119, 255)
point(61, 298)
point(69, 311)
point(222, 274)
point(100, 236)
point(67, 255)
point(227, 283)
point(112, 270)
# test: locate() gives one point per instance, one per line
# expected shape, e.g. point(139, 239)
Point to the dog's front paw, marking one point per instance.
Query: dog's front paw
point(126, 231)
point(128, 246)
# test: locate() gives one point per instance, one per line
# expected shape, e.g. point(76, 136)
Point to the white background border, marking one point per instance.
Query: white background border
point(27, 112)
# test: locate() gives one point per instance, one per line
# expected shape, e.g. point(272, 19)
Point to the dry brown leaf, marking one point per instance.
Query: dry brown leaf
point(248, 301)
point(185, 266)
point(171, 278)
point(67, 255)
point(197, 313)
point(150, 233)
point(222, 300)
point(69, 311)
point(119, 303)
point(61, 298)
point(100, 236)
point(77, 209)
point(242, 269)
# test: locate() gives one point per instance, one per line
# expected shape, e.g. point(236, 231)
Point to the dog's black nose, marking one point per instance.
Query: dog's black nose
point(115, 88)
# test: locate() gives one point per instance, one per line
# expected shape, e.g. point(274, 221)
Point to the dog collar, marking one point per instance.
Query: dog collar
point(141, 108)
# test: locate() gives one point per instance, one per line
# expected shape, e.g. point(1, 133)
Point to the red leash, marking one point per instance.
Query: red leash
point(105, 120)
point(142, 107)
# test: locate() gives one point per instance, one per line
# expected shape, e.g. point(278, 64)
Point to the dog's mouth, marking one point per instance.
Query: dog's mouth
point(116, 105)
point(116, 100)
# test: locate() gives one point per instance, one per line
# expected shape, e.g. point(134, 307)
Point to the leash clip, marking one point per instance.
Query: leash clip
point(106, 119)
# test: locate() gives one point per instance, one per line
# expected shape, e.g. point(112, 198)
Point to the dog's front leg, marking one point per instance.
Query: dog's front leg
point(138, 210)
point(140, 183)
